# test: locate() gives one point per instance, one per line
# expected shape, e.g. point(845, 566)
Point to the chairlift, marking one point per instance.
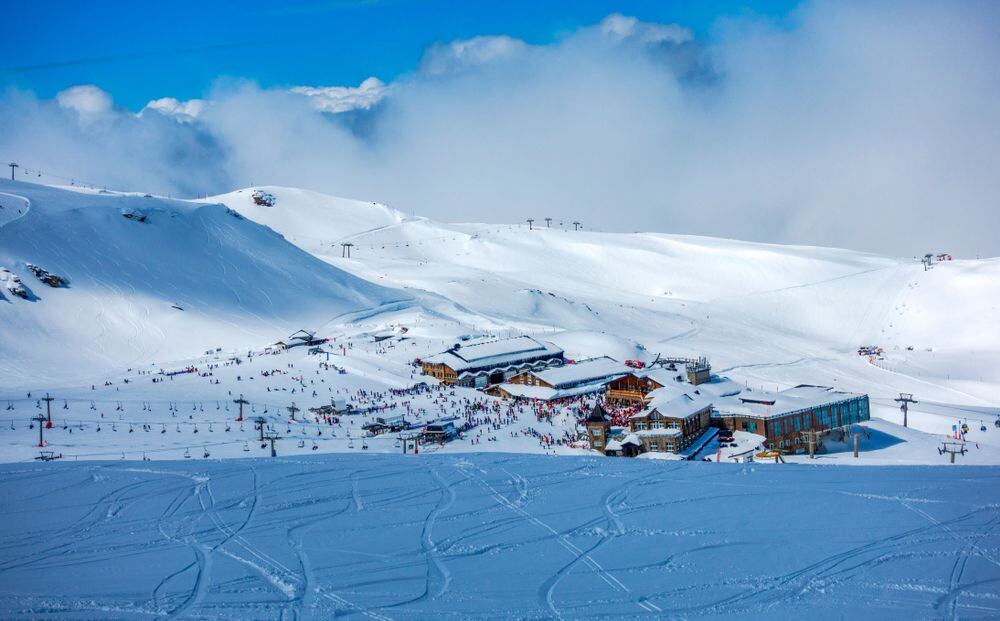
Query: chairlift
point(65, 404)
point(131, 428)
point(246, 447)
point(178, 427)
point(228, 428)
point(350, 443)
point(196, 428)
point(315, 446)
point(113, 427)
point(210, 430)
point(302, 443)
point(206, 454)
point(187, 454)
point(92, 406)
point(164, 429)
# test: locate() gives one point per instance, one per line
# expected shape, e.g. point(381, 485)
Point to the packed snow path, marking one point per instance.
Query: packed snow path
point(495, 536)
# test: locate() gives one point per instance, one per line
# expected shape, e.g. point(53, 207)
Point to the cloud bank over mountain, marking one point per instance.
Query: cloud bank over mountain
point(869, 126)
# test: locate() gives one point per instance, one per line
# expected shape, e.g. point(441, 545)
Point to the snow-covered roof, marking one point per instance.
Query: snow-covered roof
point(490, 353)
point(663, 377)
point(684, 406)
point(613, 445)
point(658, 433)
point(544, 393)
point(768, 404)
point(585, 371)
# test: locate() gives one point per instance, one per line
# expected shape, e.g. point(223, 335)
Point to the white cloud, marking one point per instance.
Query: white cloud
point(624, 28)
point(184, 111)
point(88, 101)
point(464, 54)
point(861, 125)
point(338, 99)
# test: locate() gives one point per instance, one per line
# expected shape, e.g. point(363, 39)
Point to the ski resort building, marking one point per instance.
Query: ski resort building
point(782, 417)
point(631, 389)
point(479, 363)
point(570, 380)
point(598, 428)
point(672, 425)
point(634, 388)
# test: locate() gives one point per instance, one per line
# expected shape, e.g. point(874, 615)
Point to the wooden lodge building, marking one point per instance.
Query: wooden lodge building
point(634, 388)
point(670, 426)
point(782, 417)
point(483, 362)
point(569, 380)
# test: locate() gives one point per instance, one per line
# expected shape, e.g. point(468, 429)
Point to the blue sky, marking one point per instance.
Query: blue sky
point(144, 50)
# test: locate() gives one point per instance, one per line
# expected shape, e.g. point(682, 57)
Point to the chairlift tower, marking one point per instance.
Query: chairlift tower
point(292, 410)
point(241, 402)
point(258, 424)
point(271, 437)
point(905, 399)
point(576, 225)
point(12, 167)
point(952, 448)
point(41, 439)
point(548, 223)
point(530, 222)
point(345, 251)
point(48, 410)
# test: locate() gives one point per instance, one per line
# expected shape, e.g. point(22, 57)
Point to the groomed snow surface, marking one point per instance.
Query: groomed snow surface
point(476, 528)
point(495, 537)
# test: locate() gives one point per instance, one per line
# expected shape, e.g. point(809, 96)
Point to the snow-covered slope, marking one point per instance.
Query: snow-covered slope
point(494, 537)
point(767, 313)
point(173, 279)
point(309, 219)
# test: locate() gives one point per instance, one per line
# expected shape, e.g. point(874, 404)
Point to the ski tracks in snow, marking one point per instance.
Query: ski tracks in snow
point(579, 555)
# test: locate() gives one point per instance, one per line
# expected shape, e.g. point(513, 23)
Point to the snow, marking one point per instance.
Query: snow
point(494, 353)
point(494, 536)
point(582, 372)
point(190, 277)
point(768, 317)
point(767, 404)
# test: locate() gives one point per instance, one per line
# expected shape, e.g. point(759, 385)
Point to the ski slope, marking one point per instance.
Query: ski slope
point(190, 277)
point(765, 313)
point(494, 537)
point(208, 282)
